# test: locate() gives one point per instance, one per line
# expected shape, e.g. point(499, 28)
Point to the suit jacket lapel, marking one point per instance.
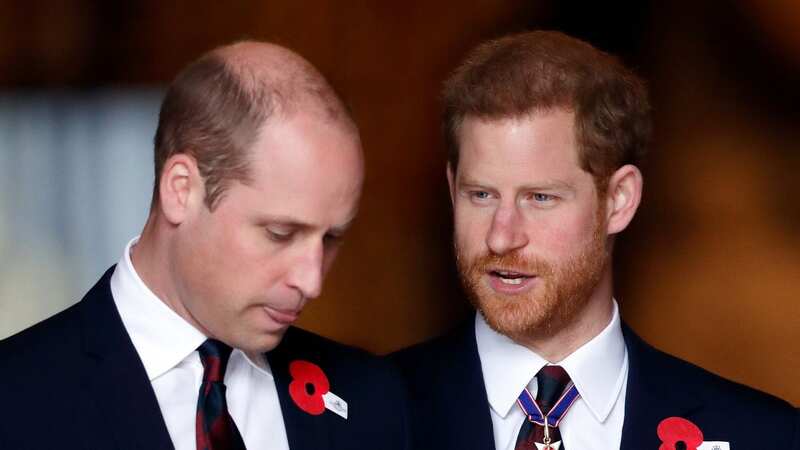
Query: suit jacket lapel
point(651, 395)
point(304, 431)
point(115, 379)
point(469, 425)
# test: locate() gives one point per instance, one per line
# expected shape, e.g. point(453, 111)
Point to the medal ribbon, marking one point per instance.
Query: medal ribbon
point(557, 412)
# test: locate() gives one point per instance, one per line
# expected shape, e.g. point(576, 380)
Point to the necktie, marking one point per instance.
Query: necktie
point(553, 381)
point(215, 428)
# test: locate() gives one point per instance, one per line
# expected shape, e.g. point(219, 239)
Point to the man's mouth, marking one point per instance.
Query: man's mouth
point(283, 317)
point(510, 277)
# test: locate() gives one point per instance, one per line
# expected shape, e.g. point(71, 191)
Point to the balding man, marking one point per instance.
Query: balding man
point(187, 342)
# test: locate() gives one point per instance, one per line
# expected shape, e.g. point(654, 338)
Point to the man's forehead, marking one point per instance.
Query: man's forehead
point(537, 151)
point(304, 174)
point(311, 111)
point(312, 210)
point(549, 136)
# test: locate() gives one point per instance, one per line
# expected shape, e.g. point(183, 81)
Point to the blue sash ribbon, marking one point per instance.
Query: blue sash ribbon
point(557, 412)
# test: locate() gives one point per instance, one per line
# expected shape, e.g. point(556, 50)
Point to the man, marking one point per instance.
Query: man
point(187, 342)
point(546, 135)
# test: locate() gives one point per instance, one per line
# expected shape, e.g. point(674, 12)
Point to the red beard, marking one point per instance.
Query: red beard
point(562, 289)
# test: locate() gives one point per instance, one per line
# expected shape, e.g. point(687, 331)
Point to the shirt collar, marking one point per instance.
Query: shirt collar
point(161, 337)
point(598, 368)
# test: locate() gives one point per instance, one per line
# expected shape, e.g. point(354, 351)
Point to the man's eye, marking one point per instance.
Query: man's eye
point(279, 235)
point(539, 197)
point(480, 195)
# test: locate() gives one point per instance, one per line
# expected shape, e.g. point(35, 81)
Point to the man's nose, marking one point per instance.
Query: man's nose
point(306, 273)
point(507, 232)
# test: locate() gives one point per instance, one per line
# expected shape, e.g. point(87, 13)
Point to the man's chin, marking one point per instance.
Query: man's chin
point(515, 320)
point(262, 342)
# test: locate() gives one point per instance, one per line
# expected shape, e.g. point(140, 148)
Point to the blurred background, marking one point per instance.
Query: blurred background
point(709, 270)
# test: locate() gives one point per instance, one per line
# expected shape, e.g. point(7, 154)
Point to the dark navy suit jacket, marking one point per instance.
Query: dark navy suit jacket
point(450, 410)
point(75, 381)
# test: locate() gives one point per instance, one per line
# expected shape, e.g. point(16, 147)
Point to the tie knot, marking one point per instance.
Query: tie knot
point(214, 356)
point(552, 381)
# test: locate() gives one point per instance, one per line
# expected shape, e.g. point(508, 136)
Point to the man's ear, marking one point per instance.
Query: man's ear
point(180, 188)
point(624, 193)
point(451, 183)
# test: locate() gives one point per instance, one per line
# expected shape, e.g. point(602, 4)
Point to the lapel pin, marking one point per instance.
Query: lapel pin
point(714, 445)
point(674, 431)
point(310, 390)
point(308, 385)
point(335, 404)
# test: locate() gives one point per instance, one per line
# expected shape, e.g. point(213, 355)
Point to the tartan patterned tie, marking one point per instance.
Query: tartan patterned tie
point(552, 381)
point(215, 428)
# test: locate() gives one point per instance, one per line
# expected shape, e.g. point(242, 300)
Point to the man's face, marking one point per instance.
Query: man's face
point(529, 229)
point(246, 270)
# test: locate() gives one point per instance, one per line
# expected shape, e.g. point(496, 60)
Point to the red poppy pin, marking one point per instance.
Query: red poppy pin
point(675, 430)
point(308, 385)
point(310, 390)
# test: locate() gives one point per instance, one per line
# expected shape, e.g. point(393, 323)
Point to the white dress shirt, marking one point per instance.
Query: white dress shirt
point(599, 370)
point(167, 346)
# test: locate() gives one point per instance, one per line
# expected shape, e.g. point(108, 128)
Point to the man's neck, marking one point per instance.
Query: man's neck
point(152, 266)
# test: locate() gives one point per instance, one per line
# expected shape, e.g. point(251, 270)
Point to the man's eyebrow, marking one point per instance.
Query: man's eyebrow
point(546, 185)
point(550, 185)
point(283, 220)
point(464, 181)
point(297, 224)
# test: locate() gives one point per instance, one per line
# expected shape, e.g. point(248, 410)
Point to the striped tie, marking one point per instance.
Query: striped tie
point(215, 428)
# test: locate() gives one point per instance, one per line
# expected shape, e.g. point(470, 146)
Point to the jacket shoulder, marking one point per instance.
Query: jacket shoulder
point(668, 370)
point(433, 353)
point(659, 381)
point(50, 337)
point(430, 364)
